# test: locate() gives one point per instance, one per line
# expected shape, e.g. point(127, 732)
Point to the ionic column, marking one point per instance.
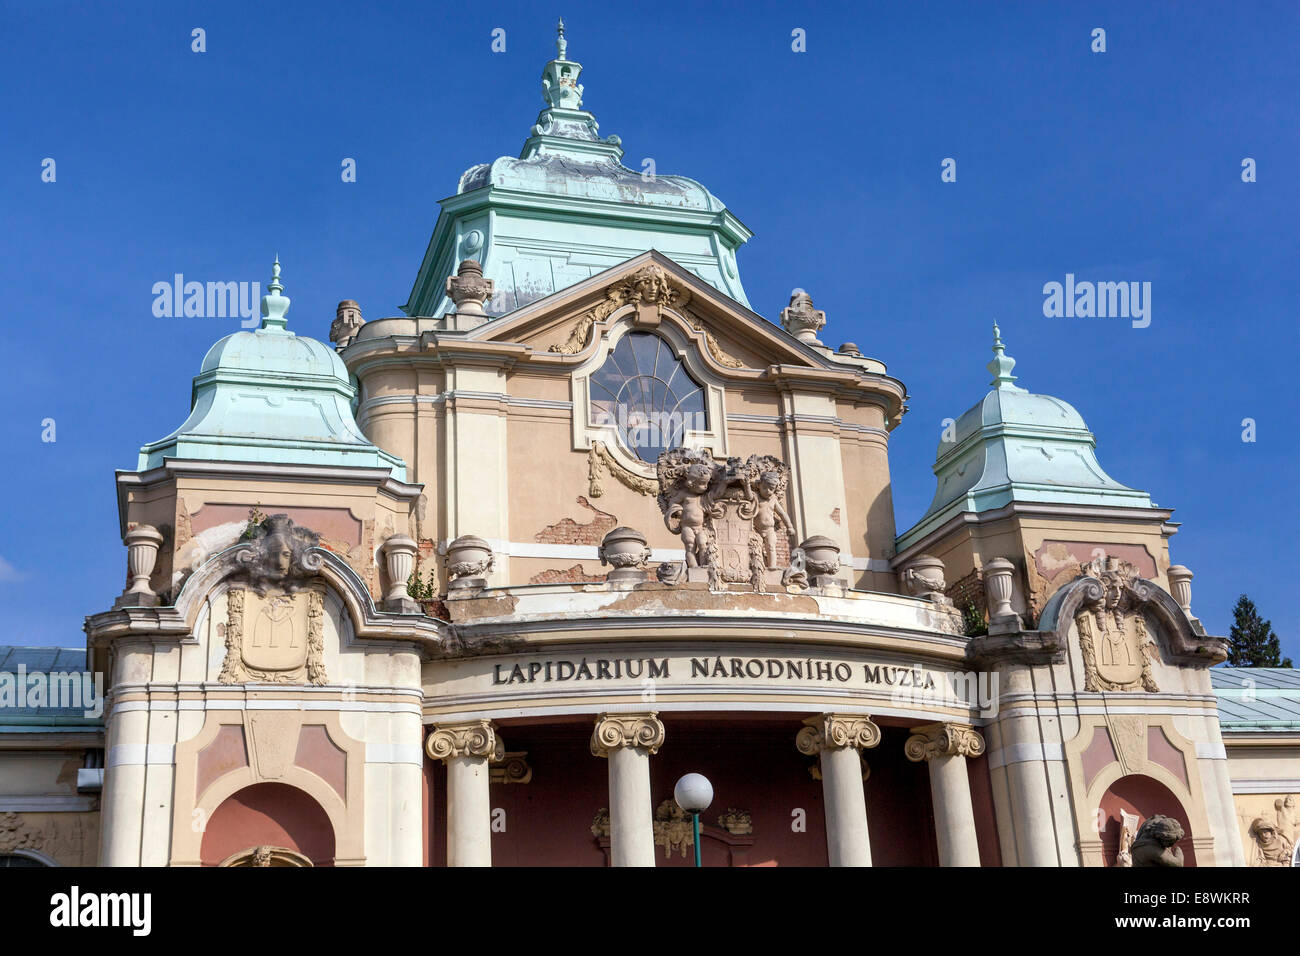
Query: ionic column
point(466, 749)
point(628, 740)
point(836, 739)
point(945, 748)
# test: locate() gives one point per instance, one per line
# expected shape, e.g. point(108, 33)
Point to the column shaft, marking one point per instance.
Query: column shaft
point(847, 840)
point(954, 814)
point(469, 812)
point(631, 816)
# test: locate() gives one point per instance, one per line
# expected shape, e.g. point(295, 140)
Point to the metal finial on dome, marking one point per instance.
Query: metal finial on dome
point(1002, 364)
point(275, 305)
point(561, 45)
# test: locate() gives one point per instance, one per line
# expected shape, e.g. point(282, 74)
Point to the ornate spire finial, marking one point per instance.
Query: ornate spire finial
point(1002, 364)
point(275, 305)
point(560, 86)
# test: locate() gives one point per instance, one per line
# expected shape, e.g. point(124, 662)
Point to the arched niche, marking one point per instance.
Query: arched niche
point(268, 815)
point(1142, 796)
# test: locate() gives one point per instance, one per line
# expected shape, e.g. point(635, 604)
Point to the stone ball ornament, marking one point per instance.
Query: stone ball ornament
point(693, 793)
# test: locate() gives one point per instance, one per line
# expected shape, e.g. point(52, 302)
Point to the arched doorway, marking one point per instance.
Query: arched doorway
point(1145, 797)
point(268, 816)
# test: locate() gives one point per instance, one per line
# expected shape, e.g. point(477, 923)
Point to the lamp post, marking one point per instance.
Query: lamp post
point(693, 794)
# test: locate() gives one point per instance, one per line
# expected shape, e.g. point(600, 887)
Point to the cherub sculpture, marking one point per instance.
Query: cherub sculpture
point(769, 477)
point(684, 480)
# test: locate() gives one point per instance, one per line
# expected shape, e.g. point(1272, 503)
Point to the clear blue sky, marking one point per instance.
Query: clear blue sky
point(1117, 166)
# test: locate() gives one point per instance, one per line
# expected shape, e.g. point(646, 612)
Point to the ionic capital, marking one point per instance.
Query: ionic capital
point(614, 731)
point(943, 740)
point(834, 731)
point(474, 738)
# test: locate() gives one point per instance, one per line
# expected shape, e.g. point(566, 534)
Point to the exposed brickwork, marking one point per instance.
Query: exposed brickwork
point(968, 591)
point(835, 515)
point(573, 575)
point(568, 531)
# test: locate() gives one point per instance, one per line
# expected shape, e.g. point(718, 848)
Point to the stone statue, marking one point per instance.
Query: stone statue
point(347, 323)
point(1272, 848)
point(1155, 842)
point(1128, 828)
point(727, 514)
point(684, 480)
point(773, 477)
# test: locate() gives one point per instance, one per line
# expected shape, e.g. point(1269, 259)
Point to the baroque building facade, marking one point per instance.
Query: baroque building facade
point(477, 583)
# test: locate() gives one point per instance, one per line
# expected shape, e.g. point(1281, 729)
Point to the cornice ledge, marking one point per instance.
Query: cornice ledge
point(1018, 647)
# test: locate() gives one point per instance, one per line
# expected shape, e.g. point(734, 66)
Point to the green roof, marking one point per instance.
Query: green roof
point(22, 717)
point(1258, 699)
point(567, 208)
point(272, 396)
point(1017, 446)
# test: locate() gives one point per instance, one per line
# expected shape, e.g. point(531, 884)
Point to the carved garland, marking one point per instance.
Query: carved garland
point(600, 463)
point(719, 356)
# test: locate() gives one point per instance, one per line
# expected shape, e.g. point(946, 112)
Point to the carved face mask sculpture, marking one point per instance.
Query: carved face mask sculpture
point(280, 554)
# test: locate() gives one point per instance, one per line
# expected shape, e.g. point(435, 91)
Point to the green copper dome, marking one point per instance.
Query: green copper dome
point(271, 396)
point(1018, 446)
point(567, 208)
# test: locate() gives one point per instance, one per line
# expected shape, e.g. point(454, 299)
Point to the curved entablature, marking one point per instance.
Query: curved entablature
point(1107, 604)
point(177, 622)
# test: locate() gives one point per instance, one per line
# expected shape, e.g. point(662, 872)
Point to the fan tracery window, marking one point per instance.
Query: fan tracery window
point(645, 391)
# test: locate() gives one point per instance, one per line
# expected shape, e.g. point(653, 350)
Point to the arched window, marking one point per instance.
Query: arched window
point(644, 390)
point(19, 859)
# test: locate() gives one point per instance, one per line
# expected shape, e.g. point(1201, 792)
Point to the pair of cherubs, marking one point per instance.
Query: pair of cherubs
point(690, 508)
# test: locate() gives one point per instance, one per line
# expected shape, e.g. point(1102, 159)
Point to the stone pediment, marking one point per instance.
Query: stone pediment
point(566, 326)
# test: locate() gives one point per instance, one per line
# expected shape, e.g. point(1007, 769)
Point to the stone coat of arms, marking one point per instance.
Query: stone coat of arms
point(728, 514)
point(275, 609)
point(1117, 649)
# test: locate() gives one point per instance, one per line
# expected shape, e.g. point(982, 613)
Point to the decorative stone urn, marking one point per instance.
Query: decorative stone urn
point(998, 584)
point(399, 555)
point(1180, 586)
point(624, 550)
point(142, 543)
point(469, 558)
point(801, 320)
point(821, 561)
point(924, 578)
point(469, 290)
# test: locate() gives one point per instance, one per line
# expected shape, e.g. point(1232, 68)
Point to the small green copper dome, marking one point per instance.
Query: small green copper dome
point(1017, 446)
point(271, 396)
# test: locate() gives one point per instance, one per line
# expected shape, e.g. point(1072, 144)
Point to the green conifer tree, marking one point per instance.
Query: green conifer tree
point(1252, 640)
